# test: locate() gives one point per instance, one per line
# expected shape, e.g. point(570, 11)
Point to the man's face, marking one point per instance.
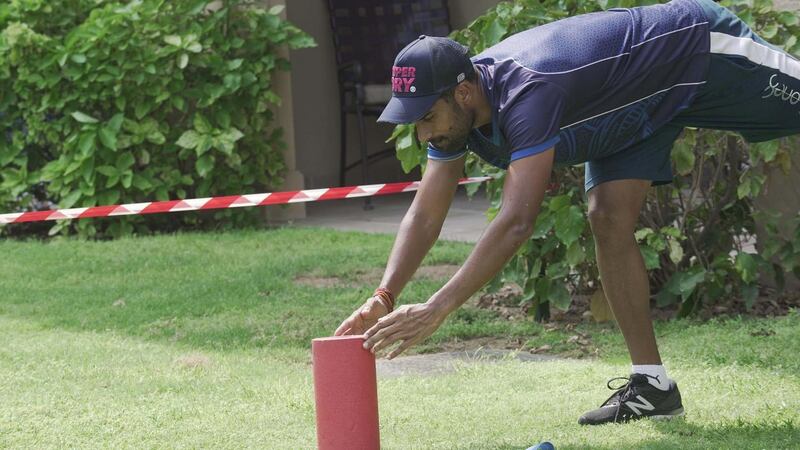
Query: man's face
point(446, 125)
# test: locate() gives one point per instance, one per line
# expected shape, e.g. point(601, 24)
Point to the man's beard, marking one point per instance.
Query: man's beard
point(459, 132)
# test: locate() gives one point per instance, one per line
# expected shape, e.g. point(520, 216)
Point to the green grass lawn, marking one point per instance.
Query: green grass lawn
point(202, 341)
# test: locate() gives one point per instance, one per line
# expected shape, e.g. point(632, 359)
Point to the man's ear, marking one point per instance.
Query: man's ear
point(464, 93)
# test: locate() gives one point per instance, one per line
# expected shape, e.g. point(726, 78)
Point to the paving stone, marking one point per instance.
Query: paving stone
point(439, 363)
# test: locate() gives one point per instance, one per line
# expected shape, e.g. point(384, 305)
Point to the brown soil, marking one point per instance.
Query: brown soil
point(317, 281)
point(506, 303)
point(373, 276)
point(770, 305)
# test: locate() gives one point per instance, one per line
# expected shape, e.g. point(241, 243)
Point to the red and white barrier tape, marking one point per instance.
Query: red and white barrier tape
point(230, 201)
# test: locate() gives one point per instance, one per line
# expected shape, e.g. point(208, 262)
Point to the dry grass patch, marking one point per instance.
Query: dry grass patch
point(193, 361)
point(372, 277)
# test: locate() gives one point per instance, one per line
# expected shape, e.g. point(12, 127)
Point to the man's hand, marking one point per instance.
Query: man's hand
point(410, 324)
point(363, 318)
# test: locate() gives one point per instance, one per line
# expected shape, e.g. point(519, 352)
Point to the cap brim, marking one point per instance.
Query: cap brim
point(407, 109)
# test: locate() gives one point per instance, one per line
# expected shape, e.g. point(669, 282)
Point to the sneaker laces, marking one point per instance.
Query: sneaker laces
point(624, 391)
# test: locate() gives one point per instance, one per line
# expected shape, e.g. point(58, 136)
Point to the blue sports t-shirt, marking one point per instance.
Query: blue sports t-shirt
point(589, 85)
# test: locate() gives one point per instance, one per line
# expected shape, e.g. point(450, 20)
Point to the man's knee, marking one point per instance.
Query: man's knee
point(614, 210)
point(610, 226)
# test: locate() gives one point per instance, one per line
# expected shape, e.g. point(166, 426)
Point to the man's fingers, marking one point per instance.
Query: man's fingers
point(350, 324)
point(343, 328)
point(378, 326)
point(382, 323)
point(403, 347)
point(360, 319)
point(380, 331)
point(392, 335)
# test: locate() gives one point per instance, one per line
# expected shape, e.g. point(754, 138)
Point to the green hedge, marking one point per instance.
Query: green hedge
point(105, 102)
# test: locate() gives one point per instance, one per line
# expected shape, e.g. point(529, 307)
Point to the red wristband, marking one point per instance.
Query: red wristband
point(387, 298)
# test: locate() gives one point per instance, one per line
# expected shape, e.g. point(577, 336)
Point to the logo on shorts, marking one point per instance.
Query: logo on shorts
point(782, 91)
point(403, 79)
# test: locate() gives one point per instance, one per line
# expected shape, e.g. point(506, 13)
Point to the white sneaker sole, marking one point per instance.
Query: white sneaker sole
point(672, 415)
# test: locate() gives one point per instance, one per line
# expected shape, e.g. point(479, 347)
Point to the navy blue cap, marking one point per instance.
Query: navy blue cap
point(422, 71)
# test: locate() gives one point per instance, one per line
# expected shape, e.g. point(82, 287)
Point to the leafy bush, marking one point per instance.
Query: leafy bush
point(693, 231)
point(105, 102)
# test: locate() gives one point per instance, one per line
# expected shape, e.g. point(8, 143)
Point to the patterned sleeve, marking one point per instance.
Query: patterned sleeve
point(530, 123)
point(438, 155)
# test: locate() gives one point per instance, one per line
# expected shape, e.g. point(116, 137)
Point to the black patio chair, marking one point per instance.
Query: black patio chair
point(367, 34)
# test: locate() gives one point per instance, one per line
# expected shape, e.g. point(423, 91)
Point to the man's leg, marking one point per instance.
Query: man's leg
point(614, 208)
point(613, 213)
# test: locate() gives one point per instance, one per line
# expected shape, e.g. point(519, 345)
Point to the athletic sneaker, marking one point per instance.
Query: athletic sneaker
point(634, 400)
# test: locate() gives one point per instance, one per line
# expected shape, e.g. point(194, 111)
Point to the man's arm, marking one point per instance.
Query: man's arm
point(523, 191)
point(418, 231)
point(422, 223)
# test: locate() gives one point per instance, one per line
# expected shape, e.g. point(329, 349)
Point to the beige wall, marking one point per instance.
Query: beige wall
point(315, 98)
point(781, 194)
point(285, 118)
point(787, 4)
point(462, 12)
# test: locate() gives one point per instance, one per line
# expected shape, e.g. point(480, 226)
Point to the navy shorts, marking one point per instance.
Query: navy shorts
point(752, 88)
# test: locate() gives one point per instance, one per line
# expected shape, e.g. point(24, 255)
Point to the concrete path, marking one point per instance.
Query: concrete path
point(787, 4)
point(437, 363)
point(465, 221)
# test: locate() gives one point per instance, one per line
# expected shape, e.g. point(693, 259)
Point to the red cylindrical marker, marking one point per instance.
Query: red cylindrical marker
point(346, 394)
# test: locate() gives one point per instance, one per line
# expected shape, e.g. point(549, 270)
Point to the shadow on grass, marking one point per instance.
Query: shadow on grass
point(679, 434)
